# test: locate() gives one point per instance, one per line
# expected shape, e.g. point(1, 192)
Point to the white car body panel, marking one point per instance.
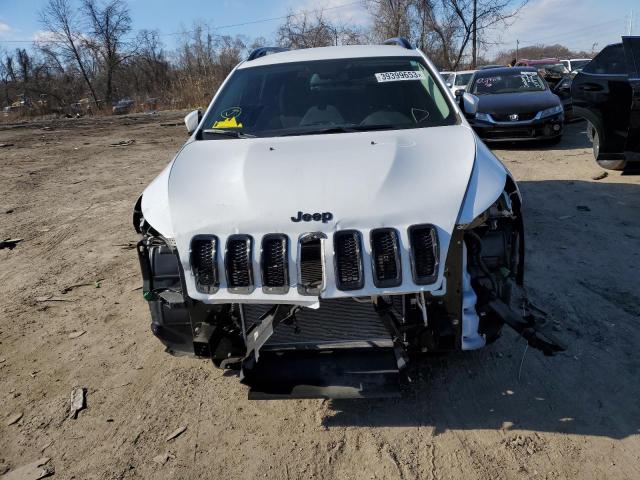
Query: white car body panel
point(366, 180)
point(453, 77)
point(486, 184)
point(155, 203)
point(330, 53)
point(569, 63)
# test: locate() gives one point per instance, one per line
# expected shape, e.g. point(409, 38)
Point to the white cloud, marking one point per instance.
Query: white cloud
point(43, 36)
point(341, 11)
point(5, 30)
point(567, 22)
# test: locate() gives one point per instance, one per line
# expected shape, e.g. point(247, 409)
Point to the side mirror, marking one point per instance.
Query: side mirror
point(458, 93)
point(192, 120)
point(469, 104)
point(449, 84)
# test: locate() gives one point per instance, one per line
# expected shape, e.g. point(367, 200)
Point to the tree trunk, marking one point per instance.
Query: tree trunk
point(109, 87)
point(474, 46)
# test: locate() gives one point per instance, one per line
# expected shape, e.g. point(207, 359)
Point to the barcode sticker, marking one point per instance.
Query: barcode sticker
point(399, 76)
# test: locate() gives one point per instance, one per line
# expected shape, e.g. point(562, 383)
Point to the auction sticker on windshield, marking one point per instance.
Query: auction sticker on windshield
point(399, 76)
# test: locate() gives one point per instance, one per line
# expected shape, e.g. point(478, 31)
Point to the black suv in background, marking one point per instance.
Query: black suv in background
point(607, 94)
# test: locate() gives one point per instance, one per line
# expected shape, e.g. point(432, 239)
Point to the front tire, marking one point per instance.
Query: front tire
point(617, 165)
point(595, 140)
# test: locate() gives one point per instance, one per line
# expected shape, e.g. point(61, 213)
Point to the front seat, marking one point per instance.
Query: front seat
point(324, 114)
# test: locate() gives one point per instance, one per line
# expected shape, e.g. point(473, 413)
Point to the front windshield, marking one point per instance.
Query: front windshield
point(511, 82)
point(330, 96)
point(462, 79)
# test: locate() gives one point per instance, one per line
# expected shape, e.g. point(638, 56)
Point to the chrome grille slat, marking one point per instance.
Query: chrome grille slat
point(310, 264)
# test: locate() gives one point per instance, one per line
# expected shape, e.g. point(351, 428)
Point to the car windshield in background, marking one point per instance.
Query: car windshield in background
point(329, 96)
point(462, 79)
point(512, 82)
point(578, 64)
point(558, 68)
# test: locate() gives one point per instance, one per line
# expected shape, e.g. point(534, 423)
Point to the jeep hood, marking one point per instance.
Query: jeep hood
point(367, 180)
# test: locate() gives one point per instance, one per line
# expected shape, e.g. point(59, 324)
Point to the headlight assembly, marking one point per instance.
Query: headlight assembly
point(485, 117)
point(551, 111)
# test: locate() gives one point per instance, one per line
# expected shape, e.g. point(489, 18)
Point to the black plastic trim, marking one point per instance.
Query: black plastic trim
point(275, 289)
point(193, 262)
point(424, 280)
point(351, 285)
point(244, 289)
point(400, 41)
point(263, 51)
point(393, 282)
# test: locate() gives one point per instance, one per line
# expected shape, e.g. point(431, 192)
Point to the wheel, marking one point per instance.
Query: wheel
point(595, 139)
point(612, 164)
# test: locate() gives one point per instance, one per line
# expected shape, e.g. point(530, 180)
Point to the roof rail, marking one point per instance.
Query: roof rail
point(262, 51)
point(400, 41)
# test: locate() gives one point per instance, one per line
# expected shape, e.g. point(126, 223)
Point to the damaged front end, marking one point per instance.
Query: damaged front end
point(398, 292)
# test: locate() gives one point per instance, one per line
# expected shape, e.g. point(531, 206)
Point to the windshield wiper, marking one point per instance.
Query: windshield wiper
point(319, 131)
point(364, 128)
point(342, 129)
point(228, 133)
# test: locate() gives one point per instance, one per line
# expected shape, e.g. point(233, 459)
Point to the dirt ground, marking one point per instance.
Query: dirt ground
point(499, 413)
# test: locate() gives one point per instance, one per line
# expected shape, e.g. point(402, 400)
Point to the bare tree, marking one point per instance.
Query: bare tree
point(477, 16)
point(7, 76)
point(202, 62)
point(109, 24)
point(393, 18)
point(65, 39)
point(307, 30)
point(540, 51)
point(149, 65)
point(444, 29)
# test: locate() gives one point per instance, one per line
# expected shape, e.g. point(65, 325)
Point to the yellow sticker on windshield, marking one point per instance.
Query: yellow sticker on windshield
point(229, 118)
point(227, 123)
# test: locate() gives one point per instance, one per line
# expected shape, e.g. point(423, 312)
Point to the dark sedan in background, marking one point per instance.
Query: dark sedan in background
point(515, 104)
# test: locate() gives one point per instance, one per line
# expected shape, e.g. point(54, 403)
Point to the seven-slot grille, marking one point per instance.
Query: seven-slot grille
point(274, 264)
point(386, 262)
point(204, 256)
point(385, 258)
point(424, 253)
point(238, 265)
point(347, 248)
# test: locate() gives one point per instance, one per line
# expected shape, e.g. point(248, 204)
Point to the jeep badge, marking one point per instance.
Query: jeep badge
point(316, 217)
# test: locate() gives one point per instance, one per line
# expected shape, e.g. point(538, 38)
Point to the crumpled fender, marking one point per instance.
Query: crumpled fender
point(155, 203)
point(486, 184)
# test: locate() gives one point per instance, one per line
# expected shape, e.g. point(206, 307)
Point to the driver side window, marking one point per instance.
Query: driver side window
point(610, 61)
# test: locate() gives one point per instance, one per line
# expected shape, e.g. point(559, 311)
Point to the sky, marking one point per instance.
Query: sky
point(579, 24)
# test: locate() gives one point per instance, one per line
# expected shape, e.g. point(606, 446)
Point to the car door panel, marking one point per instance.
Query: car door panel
point(632, 56)
point(601, 93)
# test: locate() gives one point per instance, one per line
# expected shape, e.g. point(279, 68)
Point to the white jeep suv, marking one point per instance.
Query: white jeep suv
point(331, 216)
